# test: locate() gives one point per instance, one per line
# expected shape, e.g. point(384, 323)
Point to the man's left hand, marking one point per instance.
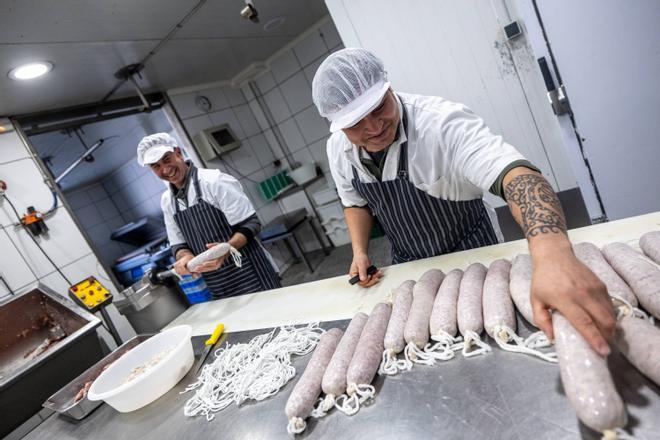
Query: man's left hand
point(211, 264)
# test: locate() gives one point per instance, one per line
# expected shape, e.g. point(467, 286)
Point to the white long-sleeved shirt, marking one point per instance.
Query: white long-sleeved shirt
point(220, 190)
point(451, 152)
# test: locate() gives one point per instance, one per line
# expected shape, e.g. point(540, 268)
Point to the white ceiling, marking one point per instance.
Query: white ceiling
point(88, 41)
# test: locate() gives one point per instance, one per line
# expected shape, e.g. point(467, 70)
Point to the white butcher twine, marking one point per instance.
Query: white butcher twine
point(471, 338)
point(250, 371)
point(624, 308)
point(391, 365)
point(358, 395)
point(504, 336)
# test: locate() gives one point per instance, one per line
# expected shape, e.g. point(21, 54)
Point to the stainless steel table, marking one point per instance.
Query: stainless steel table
point(497, 396)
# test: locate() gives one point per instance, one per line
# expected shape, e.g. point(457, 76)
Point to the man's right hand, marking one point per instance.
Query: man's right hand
point(359, 267)
point(180, 266)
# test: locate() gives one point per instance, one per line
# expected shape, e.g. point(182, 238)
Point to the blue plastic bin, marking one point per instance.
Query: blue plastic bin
point(195, 289)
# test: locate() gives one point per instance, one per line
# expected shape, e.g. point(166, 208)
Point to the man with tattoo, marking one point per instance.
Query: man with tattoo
point(420, 166)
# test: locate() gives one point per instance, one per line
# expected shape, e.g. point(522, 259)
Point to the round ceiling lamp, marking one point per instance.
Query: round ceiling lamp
point(31, 70)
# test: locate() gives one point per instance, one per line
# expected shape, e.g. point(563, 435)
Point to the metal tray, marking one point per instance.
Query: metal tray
point(62, 401)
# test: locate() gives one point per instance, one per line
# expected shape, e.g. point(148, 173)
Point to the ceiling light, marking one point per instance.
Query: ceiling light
point(274, 23)
point(31, 70)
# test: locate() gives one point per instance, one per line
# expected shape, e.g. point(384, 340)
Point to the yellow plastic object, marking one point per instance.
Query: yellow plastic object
point(215, 335)
point(90, 294)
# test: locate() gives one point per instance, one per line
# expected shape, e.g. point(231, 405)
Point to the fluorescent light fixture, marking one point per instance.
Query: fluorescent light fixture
point(31, 70)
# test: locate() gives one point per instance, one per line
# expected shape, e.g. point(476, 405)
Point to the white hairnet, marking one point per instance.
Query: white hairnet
point(342, 78)
point(151, 148)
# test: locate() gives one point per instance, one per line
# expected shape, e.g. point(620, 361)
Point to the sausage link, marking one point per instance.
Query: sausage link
point(650, 244)
point(639, 341)
point(369, 350)
point(590, 255)
point(520, 285)
point(641, 275)
point(308, 388)
point(334, 379)
point(403, 299)
point(586, 379)
point(497, 305)
point(469, 312)
point(417, 325)
point(443, 314)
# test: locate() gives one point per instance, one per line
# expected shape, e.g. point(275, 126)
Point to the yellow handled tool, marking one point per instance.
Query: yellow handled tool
point(209, 344)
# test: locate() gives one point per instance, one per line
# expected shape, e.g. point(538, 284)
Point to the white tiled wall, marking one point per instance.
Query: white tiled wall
point(98, 213)
point(287, 92)
point(21, 261)
point(135, 191)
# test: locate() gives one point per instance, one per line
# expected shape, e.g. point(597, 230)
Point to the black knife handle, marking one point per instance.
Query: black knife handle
point(370, 271)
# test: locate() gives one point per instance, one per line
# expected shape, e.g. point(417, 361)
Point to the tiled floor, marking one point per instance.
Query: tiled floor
point(337, 263)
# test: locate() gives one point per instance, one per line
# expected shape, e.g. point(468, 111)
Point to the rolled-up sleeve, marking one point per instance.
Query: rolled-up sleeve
point(476, 154)
point(340, 170)
point(249, 227)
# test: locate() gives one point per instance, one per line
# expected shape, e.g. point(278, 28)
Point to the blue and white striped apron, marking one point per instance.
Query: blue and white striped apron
point(203, 223)
point(419, 225)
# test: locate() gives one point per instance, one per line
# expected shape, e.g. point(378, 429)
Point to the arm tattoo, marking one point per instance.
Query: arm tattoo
point(540, 210)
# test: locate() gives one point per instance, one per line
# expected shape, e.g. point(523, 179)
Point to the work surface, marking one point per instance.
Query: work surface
point(497, 396)
point(334, 299)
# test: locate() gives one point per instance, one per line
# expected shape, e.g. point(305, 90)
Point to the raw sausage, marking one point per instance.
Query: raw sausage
point(443, 314)
point(650, 244)
point(586, 379)
point(642, 275)
point(468, 309)
point(214, 253)
point(590, 255)
point(394, 342)
point(499, 314)
point(416, 331)
point(520, 285)
point(365, 361)
point(442, 324)
point(334, 378)
point(639, 341)
point(307, 390)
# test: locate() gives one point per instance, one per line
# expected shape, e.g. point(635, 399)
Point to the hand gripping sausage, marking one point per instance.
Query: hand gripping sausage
point(499, 314)
point(365, 361)
point(650, 244)
point(639, 341)
point(214, 253)
point(443, 323)
point(416, 331)
point(334, 379)
point(590, 255)
point(394, 342)
point(469, 311)
point(307, 390)
point(641, 274)
point(587, 381)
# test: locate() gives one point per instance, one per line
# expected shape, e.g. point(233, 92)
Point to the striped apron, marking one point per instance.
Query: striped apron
point(203, 223)
point(419, 225)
